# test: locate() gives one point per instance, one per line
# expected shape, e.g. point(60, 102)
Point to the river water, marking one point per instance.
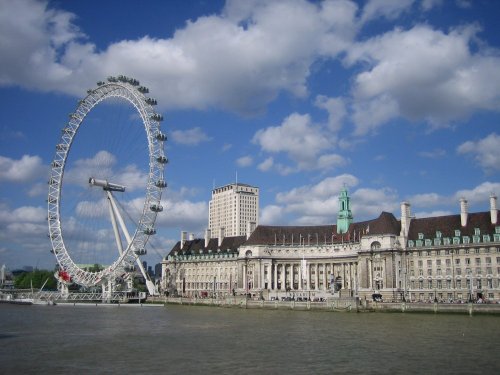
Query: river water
point(211, 340)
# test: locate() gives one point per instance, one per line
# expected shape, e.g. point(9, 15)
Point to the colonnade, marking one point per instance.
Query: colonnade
point(289, 275)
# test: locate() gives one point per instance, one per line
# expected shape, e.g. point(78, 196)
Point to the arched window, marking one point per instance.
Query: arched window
point(375, 245)
point(248, 253)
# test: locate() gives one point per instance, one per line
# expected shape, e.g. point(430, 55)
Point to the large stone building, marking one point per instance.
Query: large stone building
point(231, 208)
point(448, 258)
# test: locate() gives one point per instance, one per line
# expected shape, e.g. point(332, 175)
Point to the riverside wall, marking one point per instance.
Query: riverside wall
point(338, 305)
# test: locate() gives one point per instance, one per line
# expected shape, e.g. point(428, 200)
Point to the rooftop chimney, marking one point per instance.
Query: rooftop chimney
point(183, 238)
point(463, 212)
point(208, 234)
point(493, 208)
point(221, 235)
point(405, 218)
point(191, 236)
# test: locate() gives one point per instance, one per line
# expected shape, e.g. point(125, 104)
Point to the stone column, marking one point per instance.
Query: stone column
point(275, 273)
point(316, 276)
point(301, 276)
point(283, 276)
point(325, 278)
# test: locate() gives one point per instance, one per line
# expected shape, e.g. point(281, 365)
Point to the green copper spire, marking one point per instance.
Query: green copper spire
point(344, 218)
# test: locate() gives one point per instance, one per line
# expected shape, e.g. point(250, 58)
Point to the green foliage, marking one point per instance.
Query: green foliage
point(36, 279)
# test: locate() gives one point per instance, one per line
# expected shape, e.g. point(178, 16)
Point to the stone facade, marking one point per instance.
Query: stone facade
point(424, 259)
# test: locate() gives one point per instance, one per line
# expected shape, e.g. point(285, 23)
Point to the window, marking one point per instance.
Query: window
point(457, 233)
point(429, 272)
point(458, 284)
point(458, 271)
point(467, 261)
point(420, 236)
point(446, 241)
point(448, 262)
point(486, 238)
point(457, 261)
point(429, 263)
point(438, 262)
point(477, 231)
point(438, 234)
point(466, 239)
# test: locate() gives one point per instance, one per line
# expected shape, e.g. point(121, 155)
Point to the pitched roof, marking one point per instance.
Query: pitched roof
point(197, 246)
point(386, 223)
point(448, 224)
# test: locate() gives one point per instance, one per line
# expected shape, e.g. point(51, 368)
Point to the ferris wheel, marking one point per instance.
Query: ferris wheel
point(131, 244)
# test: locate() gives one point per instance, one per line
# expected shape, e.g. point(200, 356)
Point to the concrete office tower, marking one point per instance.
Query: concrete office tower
point(232, 207)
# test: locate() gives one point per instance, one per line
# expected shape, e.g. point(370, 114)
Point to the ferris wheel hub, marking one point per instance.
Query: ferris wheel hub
point(107, 186)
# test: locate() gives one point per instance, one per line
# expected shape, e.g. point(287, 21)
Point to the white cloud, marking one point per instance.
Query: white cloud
point(390, 9)
point(423, 74)
point(300, 140)
point(103, 165)
point(422, 214)
point(429, 4)
point(336, 109)
point(24, 214)
point(486, 152)
point(428, 200)
point(480, 194)
point(190, 137)
point(244, 161)
point(238, 60)
point(434, 154)
point(271, 215)
point(266, 164)
point(26, 169)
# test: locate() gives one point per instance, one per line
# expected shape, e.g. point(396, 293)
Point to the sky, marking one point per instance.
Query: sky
point(397, 100)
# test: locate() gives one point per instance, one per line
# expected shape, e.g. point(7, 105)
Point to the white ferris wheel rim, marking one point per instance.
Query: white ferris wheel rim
point(129, 90)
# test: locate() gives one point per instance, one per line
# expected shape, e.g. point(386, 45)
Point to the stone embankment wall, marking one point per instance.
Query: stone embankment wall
point(339, 304)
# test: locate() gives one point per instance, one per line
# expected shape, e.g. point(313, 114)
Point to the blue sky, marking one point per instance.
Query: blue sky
point(395, 99)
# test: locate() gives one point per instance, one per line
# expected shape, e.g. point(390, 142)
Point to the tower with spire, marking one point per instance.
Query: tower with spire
point(344, 217)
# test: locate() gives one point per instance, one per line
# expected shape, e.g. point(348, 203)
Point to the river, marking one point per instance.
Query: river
point(211, 340)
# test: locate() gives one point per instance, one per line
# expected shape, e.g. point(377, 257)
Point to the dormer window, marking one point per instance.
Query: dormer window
point(486, 238)
point(457, 232)
point(446, 240)
point(497, 229)
point(477, 231)
point(420, 236)
point(466, 239)
point(411, 243)
point(438, 234)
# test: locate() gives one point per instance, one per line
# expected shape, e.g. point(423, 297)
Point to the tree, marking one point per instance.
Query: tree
point(35, 280)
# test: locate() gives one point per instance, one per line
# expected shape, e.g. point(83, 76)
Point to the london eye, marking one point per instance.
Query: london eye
point(124, 239)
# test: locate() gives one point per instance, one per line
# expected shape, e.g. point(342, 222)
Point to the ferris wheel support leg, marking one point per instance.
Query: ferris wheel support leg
point(149, 284)
point(113, 222)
